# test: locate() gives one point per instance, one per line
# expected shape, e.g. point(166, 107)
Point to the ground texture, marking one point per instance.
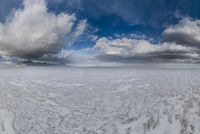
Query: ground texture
point(61, 100)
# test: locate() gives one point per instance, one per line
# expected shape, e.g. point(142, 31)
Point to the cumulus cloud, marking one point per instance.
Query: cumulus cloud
point(33, 31)
point(180, 43)
point(127, 50)
point(187, 33)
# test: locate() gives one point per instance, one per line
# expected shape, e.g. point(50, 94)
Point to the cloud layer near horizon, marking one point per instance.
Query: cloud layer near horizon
point(33, 31)
point(134, 50)
point(180, 43)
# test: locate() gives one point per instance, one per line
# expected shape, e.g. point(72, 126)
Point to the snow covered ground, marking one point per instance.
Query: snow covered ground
point(62, 100)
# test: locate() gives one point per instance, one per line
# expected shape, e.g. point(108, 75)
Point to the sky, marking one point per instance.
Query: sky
point(89, 32)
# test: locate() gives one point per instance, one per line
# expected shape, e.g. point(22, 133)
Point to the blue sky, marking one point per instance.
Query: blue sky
point(149, 17)
point(119, 21)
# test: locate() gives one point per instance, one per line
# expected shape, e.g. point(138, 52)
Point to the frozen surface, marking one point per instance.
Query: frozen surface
point(58, 100)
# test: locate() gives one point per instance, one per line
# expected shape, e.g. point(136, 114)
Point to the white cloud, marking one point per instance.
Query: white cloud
point(180, 42)
point(81, 27)
point(33, 31)
point(187, 33)
point(78, 31)
point(123, 49)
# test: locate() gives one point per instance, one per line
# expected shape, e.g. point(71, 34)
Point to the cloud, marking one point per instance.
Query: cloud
point(33, 31)
point(36, 34)
point(80, 28)
point(141, 50)
point(157, 13)
point(186, 33)
point(78, 31)
point(180, 43)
